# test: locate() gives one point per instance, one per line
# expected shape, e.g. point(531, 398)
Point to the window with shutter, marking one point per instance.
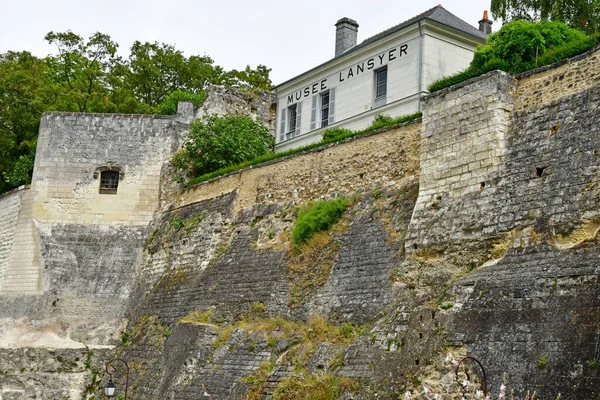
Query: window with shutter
point(282, 126)
point(380, 86)
point(298, 119)
point(292, 117)
point(313, 113)
point(331, 106)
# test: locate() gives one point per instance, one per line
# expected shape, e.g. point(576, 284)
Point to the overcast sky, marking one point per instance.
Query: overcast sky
point(288, 36)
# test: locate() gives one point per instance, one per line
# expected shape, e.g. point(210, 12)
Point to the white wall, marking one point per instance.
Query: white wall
point(443, 56)
point(355, 90)
point(444, 52)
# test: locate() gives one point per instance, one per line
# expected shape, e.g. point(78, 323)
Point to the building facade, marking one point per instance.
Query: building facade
point(385, 74)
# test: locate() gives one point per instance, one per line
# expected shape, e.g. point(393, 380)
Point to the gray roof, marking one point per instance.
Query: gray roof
point(438, 14)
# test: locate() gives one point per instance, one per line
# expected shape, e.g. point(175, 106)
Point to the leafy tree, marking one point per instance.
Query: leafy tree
point(580, 14)
point(520, 46)
point(250, 79)
point(81, 69)
point(25, 92)
point(157, 70)
point(222, 142)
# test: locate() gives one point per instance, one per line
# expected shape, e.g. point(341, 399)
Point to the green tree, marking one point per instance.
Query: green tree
point(250, 79)
point(157, 70)
point(25, 93)
point(580, 14)
point(81, 69)
point(221, 142)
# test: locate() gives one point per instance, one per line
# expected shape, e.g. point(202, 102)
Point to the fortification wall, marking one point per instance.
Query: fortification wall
point(495, 257)
point(10, 203)
point(475, 230)
point(221, 100)
point(72, 146)
point(388, 158)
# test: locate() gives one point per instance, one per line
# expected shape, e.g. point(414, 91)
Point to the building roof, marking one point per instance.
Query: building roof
point(438, 14)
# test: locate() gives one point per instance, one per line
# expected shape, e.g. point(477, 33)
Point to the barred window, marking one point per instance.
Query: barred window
point(380, 85)
point(109, 181)
point(293, 113)
point(325, 109)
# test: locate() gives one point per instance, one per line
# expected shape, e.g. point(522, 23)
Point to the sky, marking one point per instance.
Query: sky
point(287, 36)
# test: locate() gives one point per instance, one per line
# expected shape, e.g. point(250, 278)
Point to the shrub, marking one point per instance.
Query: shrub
point(521, 43)
point(567, 50)
point(383, 121)
point(169, 104)
point(221, 142)
point(333, 133)
point(520, 46)
point(317, 217)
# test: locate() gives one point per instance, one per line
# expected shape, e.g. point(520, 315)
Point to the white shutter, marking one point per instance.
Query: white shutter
point(298, 118)
point(282, 127)
point(313, 113)
point(331, 106)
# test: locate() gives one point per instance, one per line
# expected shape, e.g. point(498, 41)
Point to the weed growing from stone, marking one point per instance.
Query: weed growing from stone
point(310, 386)
point(317, 217)
point(257, 380)
point(310, 267)
point(542, 362)
point(200, 317)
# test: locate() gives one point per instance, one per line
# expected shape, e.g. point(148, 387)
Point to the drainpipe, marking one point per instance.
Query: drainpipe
point(420, 64)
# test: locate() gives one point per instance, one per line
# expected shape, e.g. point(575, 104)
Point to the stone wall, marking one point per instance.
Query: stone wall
point(23, 264)
point(69, 254)
point(493, 254)
point(388, 158)
point(71, 147)
point(463, 142)
point(475, 231)
point(10, 203)
point(221, 100)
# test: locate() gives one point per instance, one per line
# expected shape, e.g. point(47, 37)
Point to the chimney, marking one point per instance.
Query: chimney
point(485, 25)
point(345, 35)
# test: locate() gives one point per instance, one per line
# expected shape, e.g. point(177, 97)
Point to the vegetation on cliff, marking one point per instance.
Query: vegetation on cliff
point(89, 76)
point(221, 142)
point(521, 46)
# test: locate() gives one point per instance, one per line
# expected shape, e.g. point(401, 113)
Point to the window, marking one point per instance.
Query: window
point(293, 115)
point(290, 122)
point(325, 109)
point(380, 86)
point(109, 181)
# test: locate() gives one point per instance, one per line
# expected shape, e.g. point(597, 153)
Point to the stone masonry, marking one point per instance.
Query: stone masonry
point(473, 231)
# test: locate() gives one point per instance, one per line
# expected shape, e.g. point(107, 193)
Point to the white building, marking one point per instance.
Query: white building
point(385, 74)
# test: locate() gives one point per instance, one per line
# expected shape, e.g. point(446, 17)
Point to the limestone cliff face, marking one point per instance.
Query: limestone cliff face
point(486, 245)
point(472, 230)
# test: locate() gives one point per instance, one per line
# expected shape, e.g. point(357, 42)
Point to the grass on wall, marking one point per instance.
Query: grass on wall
point(317, 217)
point(551, 56)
